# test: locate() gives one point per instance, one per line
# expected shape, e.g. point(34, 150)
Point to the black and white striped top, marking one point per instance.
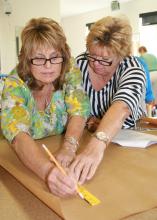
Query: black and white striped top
point(127, 84)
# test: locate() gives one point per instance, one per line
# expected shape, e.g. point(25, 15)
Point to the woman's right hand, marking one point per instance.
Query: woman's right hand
point(86, 163)
point(61, 185)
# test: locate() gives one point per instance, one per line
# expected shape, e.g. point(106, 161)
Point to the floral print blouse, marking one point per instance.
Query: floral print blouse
point(20, 113)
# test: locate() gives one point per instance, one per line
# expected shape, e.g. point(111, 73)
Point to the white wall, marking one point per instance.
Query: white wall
point(22, 12)
point(75, 30)
point(149, 40)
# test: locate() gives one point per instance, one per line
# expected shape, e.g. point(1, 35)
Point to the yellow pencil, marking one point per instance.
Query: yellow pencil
point(53, 159)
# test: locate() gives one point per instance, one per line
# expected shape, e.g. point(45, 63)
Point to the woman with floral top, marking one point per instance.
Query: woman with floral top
point(41, 100)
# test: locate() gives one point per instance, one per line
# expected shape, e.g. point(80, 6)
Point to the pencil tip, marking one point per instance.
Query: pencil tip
point(81, 196)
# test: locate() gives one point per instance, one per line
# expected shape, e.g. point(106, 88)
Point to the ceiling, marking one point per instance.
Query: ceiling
point(74, 7)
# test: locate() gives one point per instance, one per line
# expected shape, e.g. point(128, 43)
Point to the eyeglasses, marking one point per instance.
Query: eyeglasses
point(43, 61)
point(100, 61)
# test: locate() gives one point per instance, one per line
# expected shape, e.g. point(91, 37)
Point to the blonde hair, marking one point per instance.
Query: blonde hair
point(112, 32)
point(40, 33)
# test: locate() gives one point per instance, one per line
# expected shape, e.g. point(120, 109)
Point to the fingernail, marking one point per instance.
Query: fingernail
point(80, 183)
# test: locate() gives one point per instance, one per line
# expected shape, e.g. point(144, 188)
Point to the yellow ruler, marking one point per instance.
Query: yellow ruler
point(87, 196)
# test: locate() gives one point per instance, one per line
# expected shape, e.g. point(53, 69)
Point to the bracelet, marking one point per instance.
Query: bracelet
point(72, 148)
point(101, 136)
point(74, 142)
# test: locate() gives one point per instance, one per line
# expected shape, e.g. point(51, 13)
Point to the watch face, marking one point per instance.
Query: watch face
point(101, 136)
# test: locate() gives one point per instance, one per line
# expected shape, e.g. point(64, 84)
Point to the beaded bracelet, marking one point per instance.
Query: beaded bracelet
point(74, 142)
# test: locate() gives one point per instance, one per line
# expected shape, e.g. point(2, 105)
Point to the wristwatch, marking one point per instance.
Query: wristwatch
point(101, 136)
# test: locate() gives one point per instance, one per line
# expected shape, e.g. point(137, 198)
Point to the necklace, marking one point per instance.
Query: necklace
point(42, 99)
point(47, 102)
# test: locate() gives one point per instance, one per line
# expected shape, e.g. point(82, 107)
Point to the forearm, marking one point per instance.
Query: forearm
point(114, 118)
point(31, 155)
point(75, 127)
point(85, 164)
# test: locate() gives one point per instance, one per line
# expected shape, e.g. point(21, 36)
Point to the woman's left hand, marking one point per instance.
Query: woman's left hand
point(65, 156)
point(85, 164)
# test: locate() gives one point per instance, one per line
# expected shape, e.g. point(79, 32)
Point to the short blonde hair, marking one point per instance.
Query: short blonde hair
point(40, 33)
point(112, 32)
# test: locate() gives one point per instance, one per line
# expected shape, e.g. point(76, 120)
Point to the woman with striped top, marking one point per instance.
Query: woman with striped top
point(115, 84)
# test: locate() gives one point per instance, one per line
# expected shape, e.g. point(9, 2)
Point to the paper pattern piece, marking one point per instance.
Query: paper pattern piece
point(17, 203)
point(125, 182)
point(130, 138)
